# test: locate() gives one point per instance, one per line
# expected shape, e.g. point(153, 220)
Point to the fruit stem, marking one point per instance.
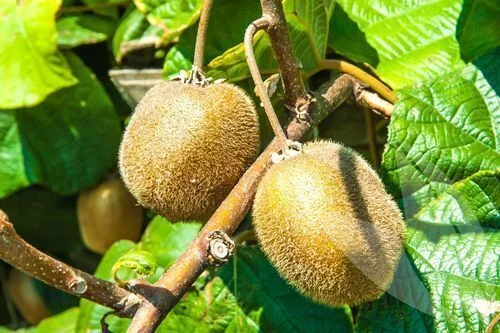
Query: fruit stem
point(493, 323)
point(201, 36)
point(372, 137)
point(260, 24)
point(358, 73)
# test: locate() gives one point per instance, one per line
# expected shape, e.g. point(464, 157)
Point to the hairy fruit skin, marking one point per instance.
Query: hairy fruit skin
point(186, 147)
point(23, 294)
point(326, 223)
point(108, 213)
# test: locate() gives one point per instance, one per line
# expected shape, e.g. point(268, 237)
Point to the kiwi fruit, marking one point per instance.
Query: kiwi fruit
point(21, 290)
point(186, 146)
point(108, 213)
point(325, 221)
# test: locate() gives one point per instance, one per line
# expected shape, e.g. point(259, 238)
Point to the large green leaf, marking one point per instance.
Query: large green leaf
point(175, 61)
point(308, 25)
point(83, 29)
point(209, 308)
point(44, 219)
point(12, 172)
point(477, 29)
point(104, 7)
point(448, 281)
point(172, 16)
point(474, 199)
point(70, 141)
point(461, 272)
point(410, 41)
point(314, 17)
point(166, 240)
point(134, 32)
point(451, 270)
point(163, 239)
point(414, 40)
point(228, 21)
point(442, 132)
point(62, 323)
point(388, 314)
point(31, 68)
point(258, 288)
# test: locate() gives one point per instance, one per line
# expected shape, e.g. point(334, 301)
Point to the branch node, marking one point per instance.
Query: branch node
point(373, 101)
point(303, 108)
point(294, 149)
point(220, 248)
point(78, 286)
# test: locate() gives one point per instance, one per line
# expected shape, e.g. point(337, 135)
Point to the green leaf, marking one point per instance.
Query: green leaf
point(443, 131)
point(258, 287)
point(414, 40)
point(134, 32)
point(44, 219)
point(347, 39)
point(445, 173)
point(172, 16)
point(389, 314)
point(474, 199)
point(308, 25)
point(91, 313)
point(166, 240)
point(30, 65)
point(228, 21)
point(209, 309)
point(142, 263)
point(84, 29)
point(314, 16)
point(70, 141)
point(21, 330)
point(455, 285)
point(477, 29)
point(62, 323)
point(461, 272)
point(232, 65)
point(105, 7)
point(175, 61)
point(12, 172)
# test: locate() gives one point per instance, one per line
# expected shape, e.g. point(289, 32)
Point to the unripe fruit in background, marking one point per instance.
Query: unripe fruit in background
point(22, 292)
point(186, 146)
point(108, 213)
point(326, 223)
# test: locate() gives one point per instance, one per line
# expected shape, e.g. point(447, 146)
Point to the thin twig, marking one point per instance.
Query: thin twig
point(373, 82)
point(373, 101)
point(259, 24)
point(201, 36)
point(493, 323)
point(372, 136)
point(15, 251)
point(283, 52)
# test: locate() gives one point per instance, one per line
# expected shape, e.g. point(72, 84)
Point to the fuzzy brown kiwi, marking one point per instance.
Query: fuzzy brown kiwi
point(108, 213)
point(326, 223)
point(186, 146)
point(22, 292)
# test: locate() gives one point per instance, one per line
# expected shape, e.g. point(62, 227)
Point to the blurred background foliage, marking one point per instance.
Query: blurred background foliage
point(73, 70)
